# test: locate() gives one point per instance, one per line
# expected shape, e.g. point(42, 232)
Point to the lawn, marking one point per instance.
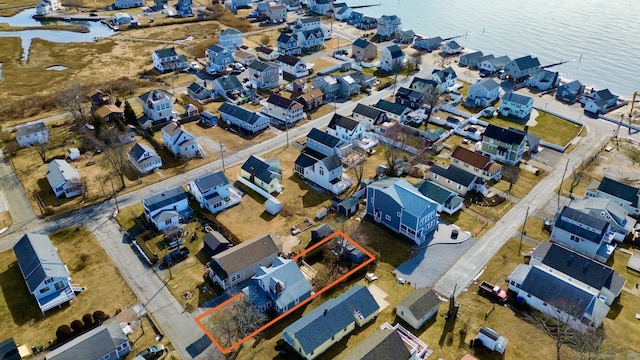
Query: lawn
point(525, 182)
point(106, 290)
point(549, 128)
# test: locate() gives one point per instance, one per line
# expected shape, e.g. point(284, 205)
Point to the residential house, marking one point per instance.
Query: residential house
point(215, 243)
point(445, 78)
point(97, 99)
point(345, 128)
point(324, 171)
point(314, 333)
point(421, 85)
point(64, 179)
point(388, 26)
point(329, 86)
point(450, 47)
point(599, 102)
point(230, 39)
point(312, 99)
point(266, 54)
point(213, 193)
point(355, 18)
point(157, 105)
point(245, 57)
point(219, 59)
point(503, 145)
point(283, 109)
point(292, 67)
point(45, 7)
point(277, 13)
point(278, 288)
point(584, 234)
point(385, 343)
point(348, 86)
point(570, 92)
point(364, 50)
point(291, 4)
point(483, 93)
point(208, 119)
point(168, 60)
point(476, 163)
point(391, 57)
point(466, 59)
point(34, 132)
point(369, 116)
point(144, 159)
point(241, 4)
point(367, 23)
point(363, 79)
point(310, 39)
point(418, 307)
point(127, 4)
point(180, 143)
point(544, 80)
point(448, 200)
point(406, 36)
point(429, 44)
point(409, 98)
point(395, 111)
point(623, 194)
point(475, 63)
point(263, 76)
point(106, 341)
point(46, 276)
point(516, 105)
point(198, 92)
point(109, 113)
point(493, 65)
point(288, 45)
point(558, 296)
point(266, 174)
point(522, 67)
point(344, 13)
point(244, 119)
point(184, 8)
point(321, 7)
point(9, 350)
point(398, 205)
point(190, 110)
point(457, 179)
point(165, 209)
point(241, 261)
point(230, 89)
point(323, 142)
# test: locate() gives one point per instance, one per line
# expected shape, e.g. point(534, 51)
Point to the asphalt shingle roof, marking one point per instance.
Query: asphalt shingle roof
point(361, 43)
point(30, 128)
point(439, 193)
point(393, 108)
point(165, 53)
point(471, 157)
point(395, 51)
point(619, 190)
point(138, 150)
point(281, 102)
point(568, 215)
point(263, 170)
point(405, 194)
point(527, 62)
point(367, 111)
point(246, 253)
point(383, 344)
point(323, 138)
point(164, 198)
point(288, 59)
point(455, 174)
point(240, 113)
point(517, 98)
point(38, 259)
point(504, 135)
point(421, 301)
point(288, 275)
point(209, 181)
point(229, 82)
point(343, 122)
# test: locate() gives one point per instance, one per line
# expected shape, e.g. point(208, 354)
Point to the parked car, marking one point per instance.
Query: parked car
point(175, 256)
point(151, 353)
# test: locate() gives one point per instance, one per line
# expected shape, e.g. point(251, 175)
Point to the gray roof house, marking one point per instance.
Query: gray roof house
point(419, 307)
point(570, 92)
point(491, 65)
point(46, 276)
point(35, 132)
point(448, 200)
point(215, 243)
point(522, 67)
point(428, 44)
point(165, 209)
point(395, 111)
point(383, 344)
point(457, 179)
point(584, 234)
point(483, 93)
point(263, 75)
point(516, 105)
point(242, 118)
point(230, 89)
point(390, 57)
point(466, 58)
point(330, 322)
point(219, 58)
point(623, 194)
point(323, 142)
point(198, 91)
point(143, 158)
point(608, 210)
point(64, 179)
point(213, 193)
point(322, 170)
point(369, 115)
point(106, 341)
point(266, 174)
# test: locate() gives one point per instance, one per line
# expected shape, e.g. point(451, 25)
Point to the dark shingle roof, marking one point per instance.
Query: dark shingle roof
point(259, 65)
point(216, 48)
point(436, 192)
point(332, 162)
point(504, 135)
point(288, 59)
point(527, 62)
point(261, 169)
point(9, 350)
point(93, 344)
point(473, 55)
point(421, 301)
point(323, 138)
point(568, 215)
point(455, 174)
point(619, 190)
point(281, 102)
point(164, 198)
point(361, 43)
point(30, 128)
point(230, 82)
point(367, 111)
point(425, 82)
point(471, 157)
point(165, 53)
point(264, 49)
point(393, 108)
point(38, 259)
point(239, 113)
point(209, 181)
point(343, 122)
point(138, 150)
point(245, 254)
point(383, 344)
point(304, 160)
point(405, 93)
point(321, 232)
point(516, 98)
point(395, 51)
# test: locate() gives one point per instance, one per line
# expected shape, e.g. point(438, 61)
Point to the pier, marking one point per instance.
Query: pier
point(554, 64)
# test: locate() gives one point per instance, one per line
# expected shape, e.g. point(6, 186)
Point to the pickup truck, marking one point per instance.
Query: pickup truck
point(491, 290)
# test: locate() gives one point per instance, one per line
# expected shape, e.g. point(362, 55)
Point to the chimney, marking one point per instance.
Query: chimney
point(326, 310)
point(252, 177)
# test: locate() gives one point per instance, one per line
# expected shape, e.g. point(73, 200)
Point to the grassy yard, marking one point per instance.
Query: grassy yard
point(549, 128)
point(88, 265)
point(525, 182)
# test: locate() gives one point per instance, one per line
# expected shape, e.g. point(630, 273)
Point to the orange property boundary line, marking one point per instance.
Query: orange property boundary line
point(302, 303)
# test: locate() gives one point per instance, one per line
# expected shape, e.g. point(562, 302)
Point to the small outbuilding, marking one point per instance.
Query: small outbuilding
point(215, 243)
point(419, 307)
point(73, 154)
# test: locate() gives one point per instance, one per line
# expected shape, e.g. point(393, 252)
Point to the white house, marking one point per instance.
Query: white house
point(451, 48)
point(325, 171)
point(64, 179)
point(293, 66)
point(522, 67)
point(157, 105)
point(168, 60)
point(230, 38)
point(46, 276)
point(107, 341)
point(244, 119)
point(180, 142)
point(321, 7)
point(476, 163)
point(391, 56)
point(213, 193)
point(344, 13)
point(493, 64)
point(287, 44)
point(166, 208)
point(598, 102)
point(608, 210)
point(283, 109)
point(418, 307)
point(219, 59)
point(144, 159)
point(445, 78)
point(458, 180)
point(345, 128)
point(584, 234)
point(35, 132)
point(127, 4)
point(277, 13)
point(624, 195)
point(516, 105)
point(483, 93)
point(369, 116)
point(45, 7)
point(310, 39)
point(388, 25)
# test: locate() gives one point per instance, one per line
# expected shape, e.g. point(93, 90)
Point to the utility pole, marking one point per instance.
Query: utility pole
point(522, 232)
point(286, 128)
point(115, 197)
point(561, 182)
point(222, 155)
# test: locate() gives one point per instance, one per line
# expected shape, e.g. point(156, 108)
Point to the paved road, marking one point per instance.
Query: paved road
point(14, 196)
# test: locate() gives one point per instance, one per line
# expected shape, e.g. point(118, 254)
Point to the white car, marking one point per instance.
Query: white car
point(195, 66)
point(371, 277)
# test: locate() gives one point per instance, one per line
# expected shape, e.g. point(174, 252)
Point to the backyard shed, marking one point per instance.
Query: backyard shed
point(73, 154)
point(215, 243)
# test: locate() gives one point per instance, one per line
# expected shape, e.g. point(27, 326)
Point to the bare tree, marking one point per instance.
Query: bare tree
point(396, 69)
point(588, 343)
point(557, 327)
point(358, 168)
point(431, 98)
point(394, 154)
point(41, 148)
point(511, 173)
point(236, 323)
point(72, 99)
point(116, 158)
point(265, 40)
point(415, 59)
point(575, 179)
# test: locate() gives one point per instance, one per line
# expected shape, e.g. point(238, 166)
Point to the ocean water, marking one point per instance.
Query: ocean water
point(600, 39)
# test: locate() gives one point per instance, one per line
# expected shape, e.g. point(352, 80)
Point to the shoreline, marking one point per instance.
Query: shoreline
point(55, 27)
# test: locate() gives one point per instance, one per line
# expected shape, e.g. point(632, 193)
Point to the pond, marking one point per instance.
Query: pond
point(25, 18)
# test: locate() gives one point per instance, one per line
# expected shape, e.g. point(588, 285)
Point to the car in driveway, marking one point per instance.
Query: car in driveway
point(176, 256)
point(151, 353)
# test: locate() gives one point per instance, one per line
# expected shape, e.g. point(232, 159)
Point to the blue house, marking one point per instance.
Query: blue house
point(398, 205)
point(279, 287)
point(355, 18)
point(323, 142)
point(569, 92)
point(244, 119)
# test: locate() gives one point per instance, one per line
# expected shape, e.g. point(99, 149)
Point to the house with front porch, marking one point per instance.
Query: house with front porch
point(34, 132)
point(213, 193)
point(608, 210)
point(144, 159)
point(46, 276)
point(421, 85)
point(543, 80)
point(345, 128)
point(310, 39)
point(388, 26)
point(493, 65)
point(458, 180)
point(323, 142)
point(324, 171)
point(391, 57)
point(398, 205)
point(157, 105)
point(292, 67)
point(166, 208)
point(448, 200)
point(624, 195)
point(450, 47)
point(64, 179)
point(516, 105)
point(219, 59)
point(168, 60)
point(245, 120)
point(283, 109)
point(364, 50)
point(229, 88)
point(599, 102)
point(476, 163)
point(445, 78)
point(483, 93)
point(409, 98)
point(180, 143)
point(369, 116)
point(266, 174)
point(230, 38)
point(584, 234)
point(263, 75)
point(521, 68)
point(570, 92)
point(503, 145)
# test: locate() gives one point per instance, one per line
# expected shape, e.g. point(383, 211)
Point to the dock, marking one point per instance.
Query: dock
point(554, 64)
point(68, 17)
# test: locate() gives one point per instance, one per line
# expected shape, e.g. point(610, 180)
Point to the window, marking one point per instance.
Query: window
point(167, 222)
point(398, 214)
point(387, 217)
point(59, 285)
point(44, 290)
point(321, 171)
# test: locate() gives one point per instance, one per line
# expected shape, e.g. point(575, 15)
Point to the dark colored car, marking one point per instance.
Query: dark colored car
point(151, 353)
point(175, 256)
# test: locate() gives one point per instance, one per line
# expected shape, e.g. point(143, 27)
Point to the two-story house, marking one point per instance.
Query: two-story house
point(448, 200)
point(266, 54)
point(599, 102)
point(428, 44)
point(219, 59)
point(165, 209)
point(369, 116)
point(245, 120)
point(398, 205)
point(329, 86)
point(323, 142)
point(493, 65)
point(309, 40)
point(608, 210)
point(46, 276)
point(157, 105)
point(391, 57)
point(263, 75)
point(395, 111)
point(584, 234)
point(388, 25)
point(483, 93)
point(476, 163)
point(516, 105)
point(291, 5)
point(322, 170)
point(503, 145)
point(570, 92)
point(445, 78)
point(34, 132)
point(240, 262)
point(180, 143)
point(345, 128)
point(466, 59)
point(277, 13)
point(521, 68)
point(281, 108)
point(422, 85)
point(229, 88)
point(624, 195)
point(409, 98)
point(127, 4)
point(543, 80)
point(230, 38)
point(213, 193)
point(450, 47)
point(292, 67)
point(44, 7)
point(266, 174)
point(458, 180)
point(322, 7)
point(106, 341)
point(64, 179)
point(198, 92)
point(168, 60)
point(144, 159)
point(288, 45)
point(364, 50)
point(311, 99)
point(348, 86)
point(244, 57)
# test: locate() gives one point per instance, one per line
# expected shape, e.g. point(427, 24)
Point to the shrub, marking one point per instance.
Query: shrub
point(63, 333)
point(77, 326)
point(99, 316)
point(87, 320)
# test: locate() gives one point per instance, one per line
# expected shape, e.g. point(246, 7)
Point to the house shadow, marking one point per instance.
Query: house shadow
point(199, 346)
point(47, 196)
point(20, 303)
point(266, 216)
point(615, 310)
